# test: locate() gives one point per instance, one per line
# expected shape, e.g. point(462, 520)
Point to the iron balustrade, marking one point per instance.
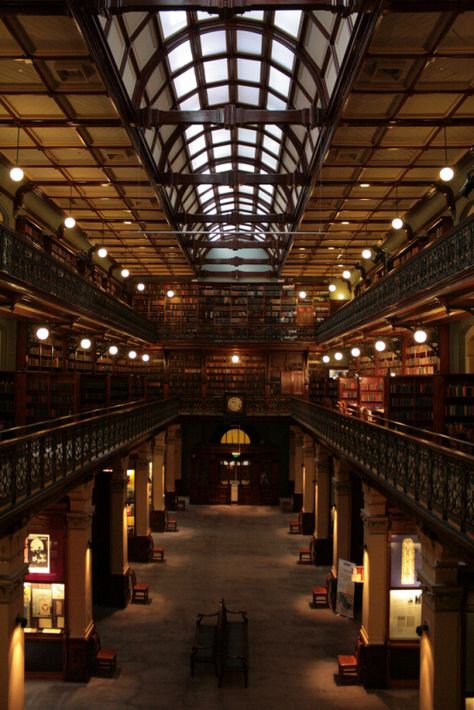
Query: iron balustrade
point(36, 466)
point(226, 331)
point(253, 406)
point(427, 271)
point(26, 263)
point(434, 482)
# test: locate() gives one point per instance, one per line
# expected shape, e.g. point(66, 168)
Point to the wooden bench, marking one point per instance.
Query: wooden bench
point(348, 665)
point(320, 596)
point(232, 642)
point(104, 659)
point(204, 649)
point(305, 556)
point(158, 554)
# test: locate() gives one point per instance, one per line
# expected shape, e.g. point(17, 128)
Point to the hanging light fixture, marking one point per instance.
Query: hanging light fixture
point(397, 222)
point(132, 354)
point(86, 343)
point(326, 358)
point(102, 252)
point(380, 346)
point(420, 336)
point(338, 355)
point(367, 253)
point(346, 274)
point(447, 173)
point(70, 222)
point(16, 173)
point(332, 288)
point(302, 295)
point(145, 357)
point(42, 333)
point(125, 273)
point(113, 350)
point(235, 359)
point(170, 293)
point(140, 286)
point(355, 352)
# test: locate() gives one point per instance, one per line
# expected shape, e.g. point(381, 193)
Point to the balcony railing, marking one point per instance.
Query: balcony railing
point(434, 482)
point(427, 272)
point(25, 263)
point(35, 467)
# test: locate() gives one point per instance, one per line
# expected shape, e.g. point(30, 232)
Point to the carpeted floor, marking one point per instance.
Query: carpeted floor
point(246, 556)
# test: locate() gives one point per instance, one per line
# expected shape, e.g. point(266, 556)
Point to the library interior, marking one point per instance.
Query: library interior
point(237, 354)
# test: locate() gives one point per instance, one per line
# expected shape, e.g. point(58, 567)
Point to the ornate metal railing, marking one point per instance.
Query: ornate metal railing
point(427, 271)
point(24, 262)
point(226, 331)
point(435, 482)
point(254, 406)
point(34, 467)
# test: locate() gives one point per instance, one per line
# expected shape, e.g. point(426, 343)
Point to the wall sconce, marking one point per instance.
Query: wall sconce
point(21, 621)
point(420, 336)
point(422, 628)
point(358, 574)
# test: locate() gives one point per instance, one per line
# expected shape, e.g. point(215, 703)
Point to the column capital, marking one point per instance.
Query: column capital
point(341, 469)
point(375, 524)
point(12, 565)
point(440, 597)
point(341, 488)
point(159, 439)
point(79, 520)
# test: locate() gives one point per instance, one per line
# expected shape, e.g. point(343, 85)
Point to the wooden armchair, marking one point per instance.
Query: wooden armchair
point(139, 591)
point(105, 659)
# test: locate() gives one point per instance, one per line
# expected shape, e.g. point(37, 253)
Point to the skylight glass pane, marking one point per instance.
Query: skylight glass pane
point(245, 167)
point(271, 162)
point(245, 151)
point(218, 95)
point(247, 135)
point(288, 21)
point(248, 70)
point(274, 104)
point(202, 189)
point(196, 145)
point(185, 82)
point(172, 22)
point(180, 56)
point(274, 130)
point(193, 131)
point(216, 70)
point(222, 168)
point(213, 43)
point(224, 189)
point(191, 104)
point(199, 160)
point(246, 189)
point(221, 135)
point(282, 55)
point(222, 151)
point(249, 42)
point(248, 95)
point(253, 15)
point(278, 81)
point(271, 145)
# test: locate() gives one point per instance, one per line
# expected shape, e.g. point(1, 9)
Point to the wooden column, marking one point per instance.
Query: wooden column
point(140, 545)
point(307, 517)
point(79, 583)
point(172, 461)
point(322, 530)
point(375, 598)
point(441, 640)
point(12, 639)
point(298, 469)
point(157, 516)
point(119, 592)
point(341, 514)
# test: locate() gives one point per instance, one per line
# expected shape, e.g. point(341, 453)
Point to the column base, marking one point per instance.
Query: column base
point(170, 500)
point(158, 520)
point(297, 502)
point(78, 660)
point(307, 523)
point(119, 591)
point(322, 550)
point(373, 666)
point(140, 548)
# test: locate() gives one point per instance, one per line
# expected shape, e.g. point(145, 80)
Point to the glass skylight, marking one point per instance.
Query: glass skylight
point(191, 104)
point(274, 130)
point(196, 145)
point(213, 43)
point(222, 151)
point(248, 95)
point(220, 135)
point(218, 95)
point(282, 55)
point(256, 15)
point(180, 56)
point(271, 162)
point(245, 151)
point(278, 81)
point(249, 70)
point(275, 104)
point(185, 82)
point(245, 167)
point(193, 131)
point(271, 145)
point(224, 190)
point(222, 168)
point(199, 161)
point(247, 135)
point(249, 42)
point(172, 22)
point(288, 21)
point(216, 70)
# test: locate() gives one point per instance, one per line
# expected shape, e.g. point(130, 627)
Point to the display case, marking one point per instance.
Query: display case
point(405, 592)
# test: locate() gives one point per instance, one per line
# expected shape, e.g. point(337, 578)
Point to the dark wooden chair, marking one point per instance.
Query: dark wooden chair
point(105, 659)
point(180, 504)
point(295, 526)
point(349, 665)
point(171, 524)
point(139, 592)
point(320, 596)
point(305, 555)
point(158, 554)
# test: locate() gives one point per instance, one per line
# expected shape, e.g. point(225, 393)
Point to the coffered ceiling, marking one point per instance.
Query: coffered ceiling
point(274, 140)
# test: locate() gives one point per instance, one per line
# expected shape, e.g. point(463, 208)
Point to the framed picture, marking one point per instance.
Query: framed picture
point(37, 548)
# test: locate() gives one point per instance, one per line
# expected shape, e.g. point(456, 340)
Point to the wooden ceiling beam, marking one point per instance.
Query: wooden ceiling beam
point(231, 178)
point(229, 116)
point(234, 218)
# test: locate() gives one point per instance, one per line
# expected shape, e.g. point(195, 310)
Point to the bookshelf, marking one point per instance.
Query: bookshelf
point(7, 400)
point(458, 405)
point(185, 373)
point(38, 397)
point(118, 390)
point(420, 360)
point(64, 394)
point(348, 391)
point(93, 391)
point(410, 400)
point(371, 392)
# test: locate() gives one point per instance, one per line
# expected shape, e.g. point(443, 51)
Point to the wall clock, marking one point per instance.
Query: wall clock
point(234, 403)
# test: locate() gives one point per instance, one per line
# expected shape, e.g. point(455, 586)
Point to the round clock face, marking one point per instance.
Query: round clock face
point(234, 404)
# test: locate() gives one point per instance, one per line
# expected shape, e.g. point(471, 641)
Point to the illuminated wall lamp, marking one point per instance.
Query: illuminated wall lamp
point(140, 286)
point(302, 295)
point(170, 293)
point(235, 359)
point(326, 358)
point(338, 356)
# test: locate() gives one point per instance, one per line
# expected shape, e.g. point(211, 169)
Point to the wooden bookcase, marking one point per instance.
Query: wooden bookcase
point(458, 405)
point(348, 391)
point(371, 393)
point(7, 400)
point(410, 400)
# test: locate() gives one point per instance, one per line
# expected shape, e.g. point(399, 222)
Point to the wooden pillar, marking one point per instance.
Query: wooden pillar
point(157, 516)
point(12, 639)
point(140, 544)
point(170, 469)
point(341, 514)
point(375, 599)
point(79, 583)
point(322, 544)
point(119, 592)
point(178, 442)
point(307, 517)
point(298, 470)
point(441, 640)
point(291, 458)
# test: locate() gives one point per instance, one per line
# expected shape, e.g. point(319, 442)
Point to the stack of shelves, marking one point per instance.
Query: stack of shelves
point(64, 395)
point(7, 400)
point(254, 374)
point(371, 393)
point(410, 399)
point(38, 397)
point(458, 410)
point(184, 369)
point(94, 392)
point(216, 370)
point(421, 360)
point(119, 389)
point(348, 392)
